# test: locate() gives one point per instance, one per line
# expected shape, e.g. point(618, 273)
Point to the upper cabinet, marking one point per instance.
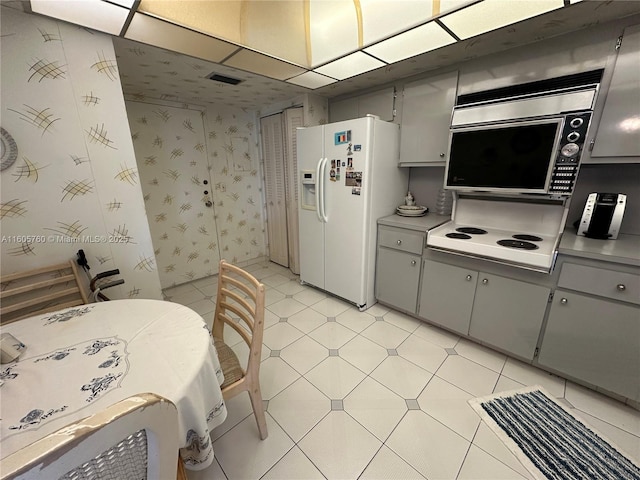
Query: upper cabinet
point(427, 106)
point(380, 103)
point(618, 133)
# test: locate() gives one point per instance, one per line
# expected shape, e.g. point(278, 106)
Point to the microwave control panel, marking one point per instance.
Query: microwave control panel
point(570, 150)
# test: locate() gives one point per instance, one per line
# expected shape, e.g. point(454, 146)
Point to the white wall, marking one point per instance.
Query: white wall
point(75, 175)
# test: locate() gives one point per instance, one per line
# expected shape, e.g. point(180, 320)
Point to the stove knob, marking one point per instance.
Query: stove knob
point(573, 136)
point(576, 122)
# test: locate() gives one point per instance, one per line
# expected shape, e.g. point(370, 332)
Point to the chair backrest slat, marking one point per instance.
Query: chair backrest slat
point(40, 290)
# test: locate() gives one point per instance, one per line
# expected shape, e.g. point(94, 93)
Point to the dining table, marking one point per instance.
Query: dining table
point(79, 360)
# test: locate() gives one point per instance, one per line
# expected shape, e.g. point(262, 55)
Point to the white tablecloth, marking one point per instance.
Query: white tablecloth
point(79, 360)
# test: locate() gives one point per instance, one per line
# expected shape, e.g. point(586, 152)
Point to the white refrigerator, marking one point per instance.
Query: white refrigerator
point(349, 177)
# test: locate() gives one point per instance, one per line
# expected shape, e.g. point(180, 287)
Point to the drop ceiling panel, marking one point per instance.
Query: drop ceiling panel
point(95, 14)
point(409, 44)
point(493, 14)
point(382, 18)
point(217, 18)
point(172, 37)
point(263, 65)
point(311, 80)
point(349, 66)
point(333, 29)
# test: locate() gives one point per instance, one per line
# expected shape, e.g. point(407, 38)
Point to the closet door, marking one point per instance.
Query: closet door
point(292, 120)
point(275, 189)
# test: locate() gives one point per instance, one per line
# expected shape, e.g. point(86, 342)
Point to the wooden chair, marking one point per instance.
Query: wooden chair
point(134, 438)
point(240, 305)
point(40, 290)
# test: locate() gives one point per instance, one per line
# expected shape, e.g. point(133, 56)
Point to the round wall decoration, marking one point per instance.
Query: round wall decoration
point(8, 149)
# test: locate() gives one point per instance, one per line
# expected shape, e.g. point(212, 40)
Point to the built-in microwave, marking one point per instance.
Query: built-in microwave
point(524, 145)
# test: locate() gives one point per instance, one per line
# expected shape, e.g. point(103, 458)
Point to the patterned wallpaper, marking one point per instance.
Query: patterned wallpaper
point(75, 182)
point(178, 149)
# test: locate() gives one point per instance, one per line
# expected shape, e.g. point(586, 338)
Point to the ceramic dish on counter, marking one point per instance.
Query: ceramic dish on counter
point(411, 210)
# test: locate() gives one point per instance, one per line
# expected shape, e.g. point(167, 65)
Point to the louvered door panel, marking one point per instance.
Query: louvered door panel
point(292, 119)
point(275, 190)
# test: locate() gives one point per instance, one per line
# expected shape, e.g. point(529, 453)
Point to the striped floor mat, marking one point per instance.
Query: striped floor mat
point(549, 441)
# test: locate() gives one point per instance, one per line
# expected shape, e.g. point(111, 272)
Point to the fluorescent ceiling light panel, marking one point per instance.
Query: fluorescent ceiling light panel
point(263, 65)
point(409, 44)
point(122, 3)
point(95, 14)
point(382, 18)
point(493, 14)
point(156, 32)
point(350, 66)
point(333, 30)
point(311, 80)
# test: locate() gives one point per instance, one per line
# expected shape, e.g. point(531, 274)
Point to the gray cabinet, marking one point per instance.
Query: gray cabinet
point(508, 314)
point(616, 136)
point(380, 103)
point(593, 329)
point(495, 310)
point(398, 267)
point(446, 296)
point(427, 106)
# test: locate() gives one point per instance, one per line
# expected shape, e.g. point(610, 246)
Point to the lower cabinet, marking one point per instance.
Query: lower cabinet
point(397, 285)
point(398, 267)
point(446, 296)
point(594, 340)
point(508, 314)
point(498, 311)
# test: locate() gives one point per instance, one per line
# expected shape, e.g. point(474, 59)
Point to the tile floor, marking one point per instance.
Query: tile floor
point(375, 394)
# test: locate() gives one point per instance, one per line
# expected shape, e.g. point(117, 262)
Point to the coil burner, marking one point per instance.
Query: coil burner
point(517, 244)
point(471, 230)
point(526, 237)
point(460, 236)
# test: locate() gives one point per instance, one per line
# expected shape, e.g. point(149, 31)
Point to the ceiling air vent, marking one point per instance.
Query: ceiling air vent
point(221, 78)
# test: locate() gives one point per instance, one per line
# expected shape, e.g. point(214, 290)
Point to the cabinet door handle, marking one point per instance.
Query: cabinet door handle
point(442, 155)
point(564, 301)
point(413, 262)
point(469, 277)
point(485, 281)
point(621, 287)
point(399, 242)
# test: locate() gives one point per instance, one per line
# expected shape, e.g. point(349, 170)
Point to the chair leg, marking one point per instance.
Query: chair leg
point(258, 410)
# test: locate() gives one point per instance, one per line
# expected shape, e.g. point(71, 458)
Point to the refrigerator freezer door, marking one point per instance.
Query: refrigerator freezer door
point(346, 203)
point(310, 224)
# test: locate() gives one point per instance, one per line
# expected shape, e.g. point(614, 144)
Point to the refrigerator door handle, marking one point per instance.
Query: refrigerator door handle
point(323, 212)
point(319, 188)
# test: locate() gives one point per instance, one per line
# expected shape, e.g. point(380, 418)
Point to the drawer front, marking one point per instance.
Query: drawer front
point(404, 240)
point(597, 281)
